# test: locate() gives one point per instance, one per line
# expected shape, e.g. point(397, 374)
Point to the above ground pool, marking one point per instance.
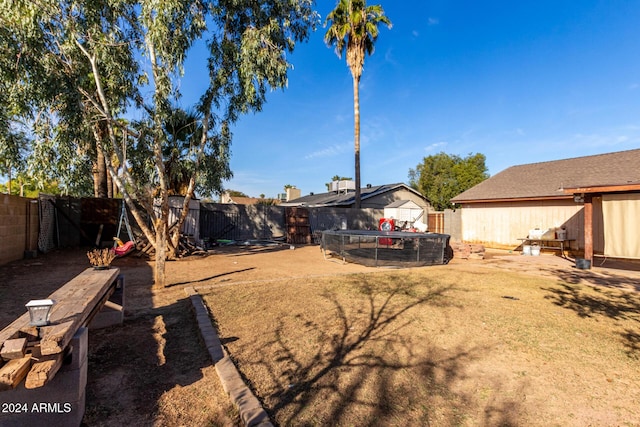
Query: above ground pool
point(387, 248)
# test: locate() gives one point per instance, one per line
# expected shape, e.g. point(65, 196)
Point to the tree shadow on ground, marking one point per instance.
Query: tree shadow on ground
point(367, 372)
point(132, 365)
point(609, 273)
point(244, 250)
point(607, 279)
point(140, 372)
point(601, 301)
point(206, 279)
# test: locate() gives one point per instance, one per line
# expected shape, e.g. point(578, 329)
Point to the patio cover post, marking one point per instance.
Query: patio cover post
point(588, 227)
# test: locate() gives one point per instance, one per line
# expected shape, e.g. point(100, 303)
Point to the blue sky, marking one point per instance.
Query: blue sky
point(519, 82)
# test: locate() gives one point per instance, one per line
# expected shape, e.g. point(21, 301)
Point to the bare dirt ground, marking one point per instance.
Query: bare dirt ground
point(154, 371)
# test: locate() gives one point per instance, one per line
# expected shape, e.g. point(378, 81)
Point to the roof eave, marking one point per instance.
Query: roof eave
point(513, 199)
point(602, 189)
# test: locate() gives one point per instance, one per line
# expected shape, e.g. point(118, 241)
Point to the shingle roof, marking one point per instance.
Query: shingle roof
point(344, 199)
point(547, 179)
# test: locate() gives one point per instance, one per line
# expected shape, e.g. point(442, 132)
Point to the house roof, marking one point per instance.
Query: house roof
point(547, 180)
point(346, 199)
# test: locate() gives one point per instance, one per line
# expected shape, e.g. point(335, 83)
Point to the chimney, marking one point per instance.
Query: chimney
point(293, 193)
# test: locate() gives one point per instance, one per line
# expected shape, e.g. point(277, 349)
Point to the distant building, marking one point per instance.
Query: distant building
point(376, 196)
point(289, 194)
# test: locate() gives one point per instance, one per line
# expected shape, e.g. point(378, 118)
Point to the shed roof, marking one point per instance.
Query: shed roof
point(407, 204)
point(549, 179)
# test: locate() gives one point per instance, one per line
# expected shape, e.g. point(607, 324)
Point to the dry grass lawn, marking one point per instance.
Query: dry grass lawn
point(509, 340)
point(437, 346)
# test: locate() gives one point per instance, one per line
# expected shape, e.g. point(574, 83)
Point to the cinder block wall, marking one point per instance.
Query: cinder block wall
point(453, 224)
point(18, 227)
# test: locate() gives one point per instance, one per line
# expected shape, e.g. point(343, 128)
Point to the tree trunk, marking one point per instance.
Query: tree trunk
point(96, 178)
point(161, 220)
point(159, 276)
point(110, 192)
point(100, 168)
point(356, 136)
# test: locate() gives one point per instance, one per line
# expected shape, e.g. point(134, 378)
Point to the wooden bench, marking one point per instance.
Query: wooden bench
point(37, 353)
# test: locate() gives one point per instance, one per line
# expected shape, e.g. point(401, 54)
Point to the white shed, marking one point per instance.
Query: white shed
point(403, 210)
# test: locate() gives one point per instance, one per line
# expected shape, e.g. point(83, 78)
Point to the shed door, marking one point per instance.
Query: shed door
point(620, 213)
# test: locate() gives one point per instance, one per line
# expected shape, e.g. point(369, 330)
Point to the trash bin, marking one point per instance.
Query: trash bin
point(583, 264)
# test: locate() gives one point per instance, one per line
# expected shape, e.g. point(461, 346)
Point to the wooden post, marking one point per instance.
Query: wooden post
point(588, 227)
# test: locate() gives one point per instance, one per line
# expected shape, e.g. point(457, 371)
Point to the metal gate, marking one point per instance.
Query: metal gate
point(216, 225)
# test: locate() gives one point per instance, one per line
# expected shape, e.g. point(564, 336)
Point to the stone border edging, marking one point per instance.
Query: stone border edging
point(251, 411)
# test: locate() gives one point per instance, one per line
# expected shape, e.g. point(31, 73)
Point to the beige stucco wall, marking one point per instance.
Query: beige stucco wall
point(500, 224)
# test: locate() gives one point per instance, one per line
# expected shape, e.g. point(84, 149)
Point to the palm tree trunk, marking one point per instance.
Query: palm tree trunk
point(356, 136)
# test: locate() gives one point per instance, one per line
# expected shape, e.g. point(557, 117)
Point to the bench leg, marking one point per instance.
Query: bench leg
point(112, 313)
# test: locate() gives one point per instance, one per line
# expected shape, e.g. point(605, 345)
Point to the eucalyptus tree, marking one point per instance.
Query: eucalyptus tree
point(12, 148)
point(353, 31)
point(42, 78)
point(84, 67)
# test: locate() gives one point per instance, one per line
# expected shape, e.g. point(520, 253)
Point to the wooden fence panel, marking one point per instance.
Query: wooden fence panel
point(435, 222)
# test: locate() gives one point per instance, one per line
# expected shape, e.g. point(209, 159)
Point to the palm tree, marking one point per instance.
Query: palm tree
point(353, 28)
point(183, 129)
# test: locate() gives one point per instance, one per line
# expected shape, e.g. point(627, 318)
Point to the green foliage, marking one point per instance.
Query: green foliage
point(353, 31)
point(235, 193)
point(46, 79)
point(23, 186)
point(73, 71)
point(184, 133)
point(441, 177)
point(340, 178)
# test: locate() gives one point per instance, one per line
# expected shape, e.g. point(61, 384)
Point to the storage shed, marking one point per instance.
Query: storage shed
point(403, 210)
